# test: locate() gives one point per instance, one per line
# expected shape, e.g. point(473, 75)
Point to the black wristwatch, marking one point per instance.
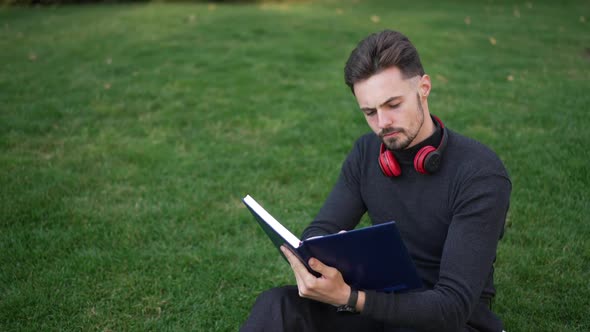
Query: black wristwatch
point(350, 306)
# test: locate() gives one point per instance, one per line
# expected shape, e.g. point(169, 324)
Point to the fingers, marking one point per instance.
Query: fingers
point(330, 288)
point(316, 265)
point(301, 272)
point(302, 276)
point(296, 264)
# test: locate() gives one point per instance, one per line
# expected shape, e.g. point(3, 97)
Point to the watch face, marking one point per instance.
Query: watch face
point(346, 309)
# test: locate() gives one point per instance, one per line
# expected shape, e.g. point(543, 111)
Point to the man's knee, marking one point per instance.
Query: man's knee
point(277, 296)
point(268, 311)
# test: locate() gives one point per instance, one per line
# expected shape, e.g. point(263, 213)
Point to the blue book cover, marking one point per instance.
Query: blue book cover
point(371, 258)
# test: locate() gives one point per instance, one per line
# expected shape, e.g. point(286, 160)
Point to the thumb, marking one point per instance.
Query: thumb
point(318, 266)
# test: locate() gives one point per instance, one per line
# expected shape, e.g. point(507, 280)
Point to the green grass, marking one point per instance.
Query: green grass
point(129, 134)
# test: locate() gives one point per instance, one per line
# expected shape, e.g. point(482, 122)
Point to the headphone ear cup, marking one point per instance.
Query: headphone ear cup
point(421, 156)
point(383, 165)
point(432, 162)
point(388, 163)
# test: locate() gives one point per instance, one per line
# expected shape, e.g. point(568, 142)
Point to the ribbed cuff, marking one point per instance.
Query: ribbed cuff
point(369, 307)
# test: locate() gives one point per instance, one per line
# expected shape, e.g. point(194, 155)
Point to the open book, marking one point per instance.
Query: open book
point(371, 258)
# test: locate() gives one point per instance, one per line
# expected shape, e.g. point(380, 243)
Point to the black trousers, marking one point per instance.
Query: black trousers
point(282, 309)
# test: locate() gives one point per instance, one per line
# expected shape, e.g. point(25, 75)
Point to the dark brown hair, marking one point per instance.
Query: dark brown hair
point(378, 52)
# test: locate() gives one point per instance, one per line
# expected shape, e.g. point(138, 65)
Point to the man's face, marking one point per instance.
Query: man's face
point(392, 108)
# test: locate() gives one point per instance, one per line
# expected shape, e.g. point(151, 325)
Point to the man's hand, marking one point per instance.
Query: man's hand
point(329, 288)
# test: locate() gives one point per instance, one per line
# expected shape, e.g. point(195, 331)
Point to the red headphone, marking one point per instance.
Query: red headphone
point(426, 161)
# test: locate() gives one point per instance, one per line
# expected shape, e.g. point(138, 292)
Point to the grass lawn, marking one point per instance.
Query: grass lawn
point(130, 133)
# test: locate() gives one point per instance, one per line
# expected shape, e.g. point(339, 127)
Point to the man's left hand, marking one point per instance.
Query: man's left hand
point(329, 288)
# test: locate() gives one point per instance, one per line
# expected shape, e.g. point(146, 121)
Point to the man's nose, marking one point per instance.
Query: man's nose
point(384, 119)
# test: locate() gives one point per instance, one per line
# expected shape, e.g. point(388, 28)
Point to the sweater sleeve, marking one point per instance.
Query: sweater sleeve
point(479, 211)
point(344, 206)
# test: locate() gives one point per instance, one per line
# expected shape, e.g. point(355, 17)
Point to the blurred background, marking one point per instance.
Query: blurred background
point(130, 131)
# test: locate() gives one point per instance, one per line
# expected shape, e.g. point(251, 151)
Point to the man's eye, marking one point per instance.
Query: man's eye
point(370, 113)
point(394, 105)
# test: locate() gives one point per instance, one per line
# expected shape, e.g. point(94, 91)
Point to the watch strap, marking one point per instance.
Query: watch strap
point(353, 298)
point(350, 305)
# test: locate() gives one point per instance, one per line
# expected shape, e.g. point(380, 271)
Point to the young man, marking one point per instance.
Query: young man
point(448, 194)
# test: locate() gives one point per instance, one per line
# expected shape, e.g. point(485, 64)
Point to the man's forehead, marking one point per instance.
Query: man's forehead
point(382, 87)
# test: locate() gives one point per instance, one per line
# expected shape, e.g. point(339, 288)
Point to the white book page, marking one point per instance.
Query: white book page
point(272, 222)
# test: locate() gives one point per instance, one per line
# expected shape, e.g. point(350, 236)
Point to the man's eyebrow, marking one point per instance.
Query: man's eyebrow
point(389, 100)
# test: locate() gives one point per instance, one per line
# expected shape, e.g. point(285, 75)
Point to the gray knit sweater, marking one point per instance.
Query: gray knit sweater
point(450, 221)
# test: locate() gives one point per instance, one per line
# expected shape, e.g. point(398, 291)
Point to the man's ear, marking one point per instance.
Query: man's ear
point(424, 86)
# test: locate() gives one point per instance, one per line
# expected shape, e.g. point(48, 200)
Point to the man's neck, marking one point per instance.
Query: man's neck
point(426, 130)
point(407, 155)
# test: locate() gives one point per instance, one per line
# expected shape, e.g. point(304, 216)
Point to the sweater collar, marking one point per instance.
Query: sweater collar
point(406, 156)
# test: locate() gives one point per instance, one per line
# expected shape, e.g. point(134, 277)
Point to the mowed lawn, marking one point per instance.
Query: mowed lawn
point(130, 133)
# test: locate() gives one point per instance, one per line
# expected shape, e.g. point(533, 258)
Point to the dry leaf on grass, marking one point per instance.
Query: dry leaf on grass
point(375, 19)
point(493, 41)
point(467, 20)
point(516, 12)
point(442, 79)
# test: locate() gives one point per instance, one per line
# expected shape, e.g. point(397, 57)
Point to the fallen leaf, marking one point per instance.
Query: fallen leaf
point(108, 61)
point(375, 19)
point(493, 41)
point(339, 11)
point(516, 12)
point(32, 56)
point(582, 19)
point(442, 79)
point(510, 78)
point(467, 20)
point(191, 18)
point(211, 7)
point(107, 86)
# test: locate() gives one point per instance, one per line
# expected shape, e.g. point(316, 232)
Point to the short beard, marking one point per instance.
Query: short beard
point(404, 138)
